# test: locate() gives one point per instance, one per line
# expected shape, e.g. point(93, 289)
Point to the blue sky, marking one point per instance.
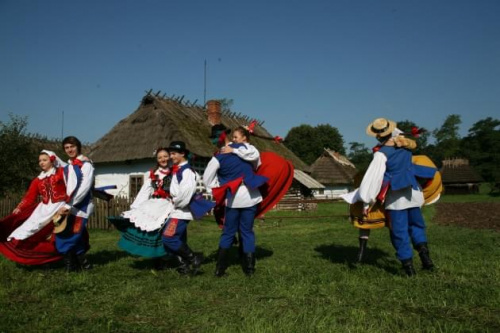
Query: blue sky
point(288, 63)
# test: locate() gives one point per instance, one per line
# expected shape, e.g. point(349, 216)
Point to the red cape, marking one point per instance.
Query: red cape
point(36, 250)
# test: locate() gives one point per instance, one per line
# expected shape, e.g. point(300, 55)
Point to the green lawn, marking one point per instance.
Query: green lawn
point(305, 282)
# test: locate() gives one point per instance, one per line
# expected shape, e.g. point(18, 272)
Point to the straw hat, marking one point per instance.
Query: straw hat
point(60, 222)
point(380, 127)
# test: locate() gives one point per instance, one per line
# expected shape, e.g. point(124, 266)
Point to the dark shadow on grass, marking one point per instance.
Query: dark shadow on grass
point(104, 257)
point(340, 254)
point(170, 262)
point(100, 258)
point(167, 262)
point(45, 267)
point(234, 258)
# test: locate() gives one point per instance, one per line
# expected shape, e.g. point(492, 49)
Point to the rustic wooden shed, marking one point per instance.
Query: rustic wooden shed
point(459, 177)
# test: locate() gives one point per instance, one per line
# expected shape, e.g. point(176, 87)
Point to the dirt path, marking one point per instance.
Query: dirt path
point(479, 215)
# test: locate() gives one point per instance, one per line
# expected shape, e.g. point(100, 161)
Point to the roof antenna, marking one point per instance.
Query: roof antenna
point(205, 84)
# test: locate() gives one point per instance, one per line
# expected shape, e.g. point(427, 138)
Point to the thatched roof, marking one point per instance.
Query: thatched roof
point(158, 121)
point(331, 168)
point(458, 171)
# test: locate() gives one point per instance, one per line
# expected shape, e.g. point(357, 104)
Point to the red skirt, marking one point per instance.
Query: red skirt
point(38, 249)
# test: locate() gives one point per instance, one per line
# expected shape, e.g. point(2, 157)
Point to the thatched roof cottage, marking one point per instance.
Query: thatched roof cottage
point(125, 153)
point(459, 177)
point(334, 171)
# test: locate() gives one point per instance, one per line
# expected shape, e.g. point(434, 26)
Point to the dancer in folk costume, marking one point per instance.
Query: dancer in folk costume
point(235, 187)
point(73, 241)
point(392, 178)
point(188, 205)
point(141, 225)
point(234, 178)
point(244, 149)
point(26, 236)
point(374, 217)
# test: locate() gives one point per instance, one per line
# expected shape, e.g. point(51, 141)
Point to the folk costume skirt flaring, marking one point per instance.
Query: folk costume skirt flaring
point(142, 236)
point(149, 215)
point(37, 249)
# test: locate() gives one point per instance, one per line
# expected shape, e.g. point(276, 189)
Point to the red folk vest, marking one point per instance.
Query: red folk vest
point(53, 187)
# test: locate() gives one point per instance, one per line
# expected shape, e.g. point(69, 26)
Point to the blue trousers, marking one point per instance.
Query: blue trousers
point(405, 225)
point(74, 237)
point(174, 234)
point(239, 219)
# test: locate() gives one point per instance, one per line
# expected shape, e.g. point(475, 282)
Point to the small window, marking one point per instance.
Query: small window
point(135, 185)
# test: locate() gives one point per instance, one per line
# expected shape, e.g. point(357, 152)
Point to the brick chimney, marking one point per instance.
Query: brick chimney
point(213, 112)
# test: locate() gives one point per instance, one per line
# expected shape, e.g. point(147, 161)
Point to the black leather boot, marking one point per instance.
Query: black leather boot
point(408, 267)
point(193, 259)
point(84, 262)
point(70, 262)
point(423, 252)
point(362, 248)
point(249, 264)
point(183, 267)
point(221, 266)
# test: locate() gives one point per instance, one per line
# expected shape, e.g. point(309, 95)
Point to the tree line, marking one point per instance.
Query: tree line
point(481, 146)
point(19, 152)
point(19, 149)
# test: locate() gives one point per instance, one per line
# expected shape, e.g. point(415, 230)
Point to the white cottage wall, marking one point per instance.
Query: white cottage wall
point(334, 192)
point(119, 175)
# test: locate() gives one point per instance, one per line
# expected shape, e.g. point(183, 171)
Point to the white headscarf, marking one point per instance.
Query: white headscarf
point(56, 161)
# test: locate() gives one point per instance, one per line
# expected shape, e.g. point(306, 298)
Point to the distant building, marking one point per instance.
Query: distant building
point(459, 177)
point(335, 172)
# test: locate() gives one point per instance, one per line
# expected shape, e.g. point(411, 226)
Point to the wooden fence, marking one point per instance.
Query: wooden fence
point(103, 209)
point(98, 220)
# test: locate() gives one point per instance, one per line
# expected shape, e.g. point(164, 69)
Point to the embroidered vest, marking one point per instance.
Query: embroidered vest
point(160, 184)
point(53, 188)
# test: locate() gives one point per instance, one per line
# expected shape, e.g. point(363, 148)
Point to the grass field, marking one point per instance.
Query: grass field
point(305, 282)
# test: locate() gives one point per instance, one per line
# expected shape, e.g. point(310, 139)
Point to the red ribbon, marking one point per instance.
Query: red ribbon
point(415, 131)
point(222, 139)
point(252, 126)
point(175, 168)
point(77, 162)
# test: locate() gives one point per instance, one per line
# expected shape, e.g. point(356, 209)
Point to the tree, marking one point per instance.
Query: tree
point(447, 138)
point(308, 142)
point(19, 152)
point(330, 137)
point(482, 147)
point(18, 156)
point(359, 155)
point(422, 139)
